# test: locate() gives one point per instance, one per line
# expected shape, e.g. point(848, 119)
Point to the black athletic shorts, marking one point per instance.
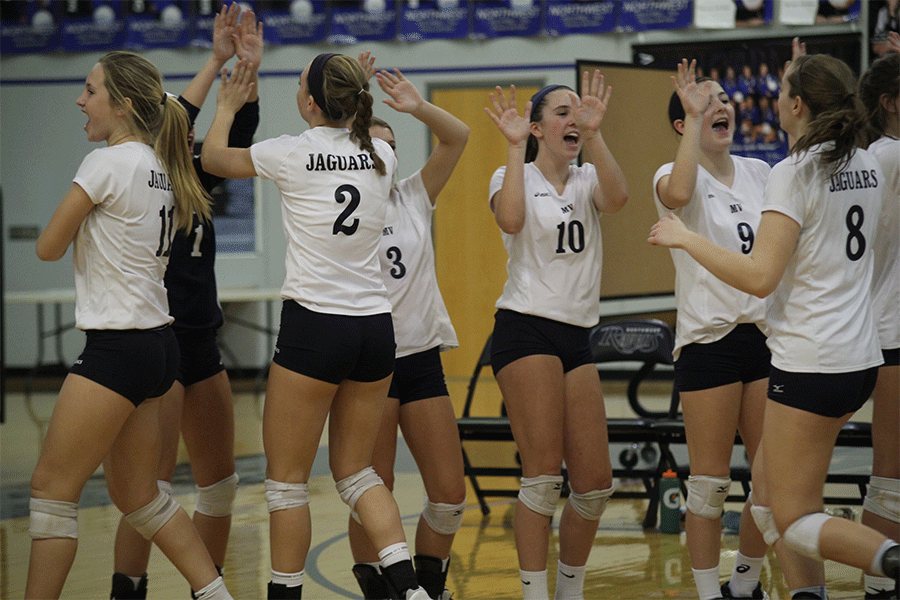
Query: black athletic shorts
point(517, 335)
point(418, 376)
point(891, 357)
point(825, 394)
point(136, 363)
point(741, 355)
point(333, 348)
point(200, 356)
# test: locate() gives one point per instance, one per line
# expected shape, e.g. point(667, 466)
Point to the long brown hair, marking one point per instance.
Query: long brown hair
point(161, 121)
point(346, 92)
point(883, 77)
point(827, 87)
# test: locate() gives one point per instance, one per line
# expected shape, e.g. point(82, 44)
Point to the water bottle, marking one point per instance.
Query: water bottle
point(669, 503)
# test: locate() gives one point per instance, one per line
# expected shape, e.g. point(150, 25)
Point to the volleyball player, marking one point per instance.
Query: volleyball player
point(199, 405)
point(879, 90)
point(418, 400)
point(721, 358)
point(119, 214)
point(335, 351)
point(548, 211)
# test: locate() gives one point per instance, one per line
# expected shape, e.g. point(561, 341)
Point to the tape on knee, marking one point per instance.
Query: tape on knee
point(541, 493)
point(590, 505)
point(706, 495)
point(216, 500)
point(150, 518)
point(765, 522)
point(353, 487)
point(883, 498)
point(443, 518)
point(803, 535)
point(281, 496)
point(53, 519)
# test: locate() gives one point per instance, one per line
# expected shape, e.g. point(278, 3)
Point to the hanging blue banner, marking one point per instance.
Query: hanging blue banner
point(294, 21)
point(354, 21)
point(158, 24)
point(504, 18)
point(92, 26)
point(434, 19)
point(28, 27)
point(641, 15)
point(588, 16)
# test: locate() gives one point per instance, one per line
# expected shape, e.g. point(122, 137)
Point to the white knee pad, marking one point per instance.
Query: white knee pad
point(883, 498)
point(443, 518)
point(281, 496)
point(150, 518)
point(802, 535)
point(590, 505)
point(217, 499)
point(353, 487)
point(53, 519)
point(706, 495)
point(165, 486)
point(765, 522)
point(541, 493)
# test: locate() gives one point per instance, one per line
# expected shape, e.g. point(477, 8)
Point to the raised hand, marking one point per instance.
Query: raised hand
point(588, 111)
point(894, 41)
point(235, 90)
point(514, 127)
point(248, 39)
point(224, 26)
point(694, 97)
point(798, 48)
point(367, 62)
point(404, 97)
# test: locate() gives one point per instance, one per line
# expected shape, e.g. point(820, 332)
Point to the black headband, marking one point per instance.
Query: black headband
point(536, 99)
point(314, 82)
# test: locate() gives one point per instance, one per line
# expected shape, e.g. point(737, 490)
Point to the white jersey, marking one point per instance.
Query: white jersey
point(333, 204)
point(886, 280)
point(554, 263)
point(709, 309)
point(421, 321)
point(820, 314)
point(121, 248)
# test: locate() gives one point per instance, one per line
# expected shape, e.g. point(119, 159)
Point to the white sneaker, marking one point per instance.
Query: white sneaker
point(417, 594)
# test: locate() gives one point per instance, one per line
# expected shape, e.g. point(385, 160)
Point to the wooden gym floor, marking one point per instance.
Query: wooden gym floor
point(627, 562)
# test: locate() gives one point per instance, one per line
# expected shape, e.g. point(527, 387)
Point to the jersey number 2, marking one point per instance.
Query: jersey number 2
point(339, 197)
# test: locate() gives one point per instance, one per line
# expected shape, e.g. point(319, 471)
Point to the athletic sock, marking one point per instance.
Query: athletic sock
point(707, 582)
point(126, 587)
point(569, 582)
point(745, 575)
point(534, 584)
point(214, 591)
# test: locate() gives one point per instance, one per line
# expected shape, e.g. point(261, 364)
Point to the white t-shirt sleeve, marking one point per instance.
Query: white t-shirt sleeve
point(98, 177)
point(496, 183)
point(412, 190)
point(269, 155)
point(782, 194)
